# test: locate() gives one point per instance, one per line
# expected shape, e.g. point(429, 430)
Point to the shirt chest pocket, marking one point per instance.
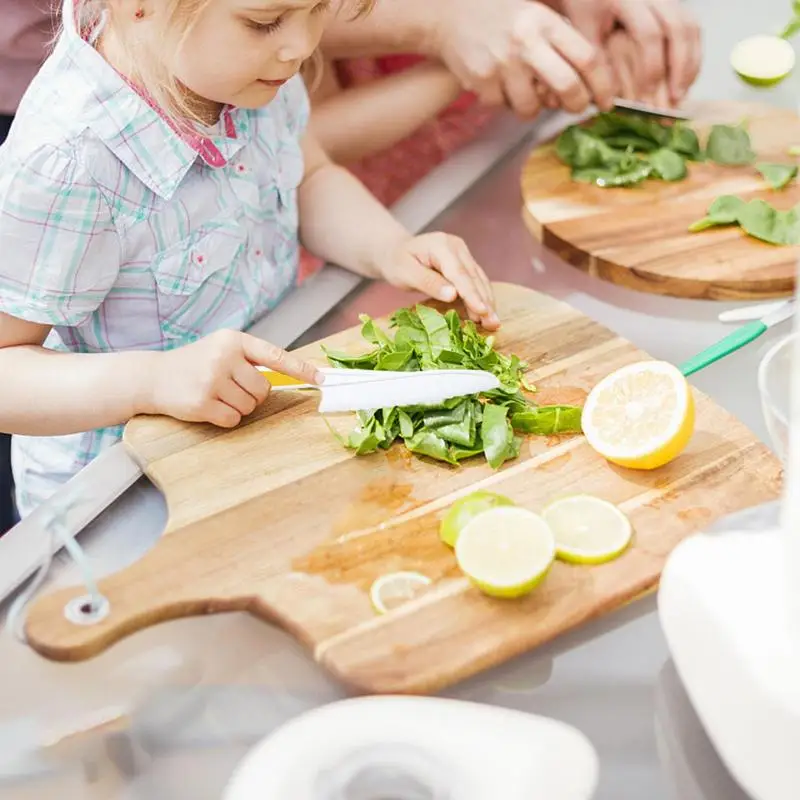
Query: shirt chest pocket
point(195, 277)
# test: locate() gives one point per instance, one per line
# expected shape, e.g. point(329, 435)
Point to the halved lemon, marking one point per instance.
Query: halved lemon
point(587, 530)
point(763, 60)
point(506, 551)
point(640, 416)
point(393, 590)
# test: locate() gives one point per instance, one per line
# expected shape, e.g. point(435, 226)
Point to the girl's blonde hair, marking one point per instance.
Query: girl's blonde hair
point(152, 72)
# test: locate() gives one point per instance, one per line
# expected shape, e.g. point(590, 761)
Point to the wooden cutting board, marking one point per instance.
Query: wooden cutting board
point(275, 518)
point(638, 237)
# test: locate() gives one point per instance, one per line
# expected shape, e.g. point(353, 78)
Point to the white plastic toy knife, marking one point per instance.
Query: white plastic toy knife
point(362, 390)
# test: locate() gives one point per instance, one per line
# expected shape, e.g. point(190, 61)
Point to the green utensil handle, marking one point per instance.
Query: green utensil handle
point(730, 344)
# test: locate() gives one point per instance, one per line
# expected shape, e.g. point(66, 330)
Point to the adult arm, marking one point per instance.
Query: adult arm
point(367, 119)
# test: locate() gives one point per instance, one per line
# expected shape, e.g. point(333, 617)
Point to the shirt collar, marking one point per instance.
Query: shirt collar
point(137, 131)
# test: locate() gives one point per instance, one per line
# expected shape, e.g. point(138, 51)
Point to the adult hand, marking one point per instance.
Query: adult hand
point(502, 48)
point(624, 57)
point(666, 35)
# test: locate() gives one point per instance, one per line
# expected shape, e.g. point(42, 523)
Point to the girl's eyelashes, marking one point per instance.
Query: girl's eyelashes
point(271, 27)
point(264, 27)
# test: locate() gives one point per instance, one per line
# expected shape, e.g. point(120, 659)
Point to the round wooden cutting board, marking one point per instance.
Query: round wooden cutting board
point(638, 237)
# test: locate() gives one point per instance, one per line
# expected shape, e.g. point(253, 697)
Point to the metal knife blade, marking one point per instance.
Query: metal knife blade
point(648, 110)
point(405, 389)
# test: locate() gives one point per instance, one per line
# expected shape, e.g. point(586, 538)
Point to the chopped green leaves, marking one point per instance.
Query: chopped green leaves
point(462, 427)
point(624, 149)
point(777, 175)
point(756, 218)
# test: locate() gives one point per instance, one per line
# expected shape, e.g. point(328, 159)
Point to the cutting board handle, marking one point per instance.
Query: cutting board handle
point(163, 585)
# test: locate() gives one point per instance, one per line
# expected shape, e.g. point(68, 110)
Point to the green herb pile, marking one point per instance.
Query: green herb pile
point(617, 149)
point(621, 149)
point(460, 428)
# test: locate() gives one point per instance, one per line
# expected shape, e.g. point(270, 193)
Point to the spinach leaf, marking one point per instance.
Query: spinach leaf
point(548, 420)
point(729, 145)
point(684, 140)
point(615, 123)
point(777, 175)
point(630, 141)
point(668, 165)
point(723, 211)
point(605, 177)
point(761, 221)
point(581, 150)
point(406, 424)
point(498, 436)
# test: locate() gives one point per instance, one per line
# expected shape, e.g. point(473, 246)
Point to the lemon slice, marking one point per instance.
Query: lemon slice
point(465, 509)
point(506, 551)
point(763, 60)
point(640, 416)
point(393, 590)
point(587, 530)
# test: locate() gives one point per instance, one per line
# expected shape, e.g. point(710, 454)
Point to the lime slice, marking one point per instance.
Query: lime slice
point(587, 530)
point(763, 60)
point(464, 510)
point(506, 551)
point(393, 590)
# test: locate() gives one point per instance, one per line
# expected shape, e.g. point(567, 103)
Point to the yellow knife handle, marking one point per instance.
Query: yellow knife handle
point(279, 379)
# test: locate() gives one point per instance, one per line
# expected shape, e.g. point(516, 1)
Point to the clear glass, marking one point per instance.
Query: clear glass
point(774, 386)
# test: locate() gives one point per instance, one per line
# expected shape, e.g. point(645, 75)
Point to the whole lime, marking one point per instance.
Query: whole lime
point(466, 509)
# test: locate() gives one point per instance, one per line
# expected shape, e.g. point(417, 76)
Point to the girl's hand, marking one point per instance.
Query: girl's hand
point(442, 267)
point(215, 379)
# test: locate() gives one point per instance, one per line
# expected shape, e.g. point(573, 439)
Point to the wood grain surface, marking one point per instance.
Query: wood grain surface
point(637, 237)
point(277, 519)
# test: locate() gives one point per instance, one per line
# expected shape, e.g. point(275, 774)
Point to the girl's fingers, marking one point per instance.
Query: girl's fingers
point(222, 415)
point(448, 260)
point(264, 354)
point(237, 398)
point(479, 276)
point(251, 381)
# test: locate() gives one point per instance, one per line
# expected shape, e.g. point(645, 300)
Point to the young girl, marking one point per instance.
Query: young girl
point(153, 192)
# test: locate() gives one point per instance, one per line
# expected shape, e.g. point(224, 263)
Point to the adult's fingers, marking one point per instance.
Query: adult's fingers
point(684, 47)
point(620, 60)
point(645, 29)
point(520, 88)
point(264, 354)
point(586, 60)
point(559, 75)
